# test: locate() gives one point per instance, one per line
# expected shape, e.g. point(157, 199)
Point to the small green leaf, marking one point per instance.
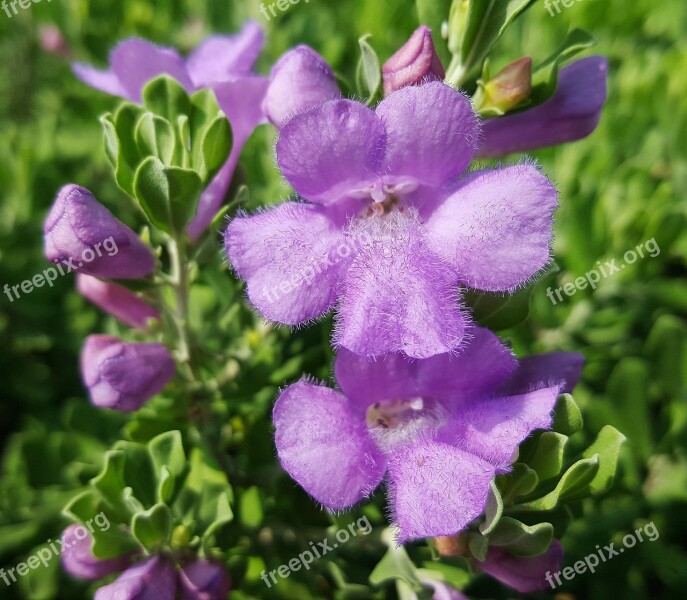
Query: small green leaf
point(216, 146)
point(125, 119)
point(478, 544)
point(499, 312)
point(493, 510)
point(521, 481)
point(547, 460)
point(155, 137)
point(166, 97)
point(395, 564)
point(607, 447)
point(574, 484)
point(567, 417)
point(139, 472)
point(369, 71)
point(520, 539)
point(111, 140)
point(153, 527)
point(251, 507)
point(168, 195)
point(167, 449)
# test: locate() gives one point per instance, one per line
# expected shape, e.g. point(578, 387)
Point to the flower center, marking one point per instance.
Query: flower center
point(393, 413)
point(384, 197)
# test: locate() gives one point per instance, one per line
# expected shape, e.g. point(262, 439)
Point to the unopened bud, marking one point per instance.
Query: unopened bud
point(507, 89)
point(414, 62)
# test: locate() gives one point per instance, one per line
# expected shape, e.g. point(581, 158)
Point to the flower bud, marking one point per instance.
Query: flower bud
point(300, 80)
point(153, 579)
point(204, 580)
point(116, 300)
point(78, 560)
point(52, 41)
point(124, 375)
point(81, 234)
point(507, 89)
point(524, 574)
point(414, 62)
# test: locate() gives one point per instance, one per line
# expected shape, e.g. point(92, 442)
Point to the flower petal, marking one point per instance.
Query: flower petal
point(479, 368)
point(524, 574)
point(300, 80)
point(431, 132)
point(135, 62)
point(496, 229)
point(571, 114)
point(322, 442)
point(105, 81)
point(286, 255)
point(222, 57)
point(240, 101)
point(399, 297)
point(493, 428)
point(540, 370)
point(331, 150)
point(436, 489)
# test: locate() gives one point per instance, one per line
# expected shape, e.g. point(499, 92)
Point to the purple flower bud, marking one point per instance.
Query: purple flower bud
point(116, 300)
point(52, 41)
point(524, 574)
point(78, 559)
point(416, 61)
point(204, 580)
point(124, 375)
point(572, 113)
point(81, 234)
point(153, 579)
point(300, 80)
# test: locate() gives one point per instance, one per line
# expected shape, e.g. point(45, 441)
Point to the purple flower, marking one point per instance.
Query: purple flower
point(204, 580)
point(116, 300)
point(414, 62)
point(437, 428)
point(223, 63)
point(81, 234)
point(152, 579)
point(572, 113)
point(301, 79)
point(78, 559)
point(124, 375)
point(389, 230)
point(524, 574)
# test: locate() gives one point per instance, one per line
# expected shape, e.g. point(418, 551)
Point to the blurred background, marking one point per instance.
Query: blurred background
point(624, 185)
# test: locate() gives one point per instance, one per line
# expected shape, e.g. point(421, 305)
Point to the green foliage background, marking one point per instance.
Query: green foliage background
point(625, 184)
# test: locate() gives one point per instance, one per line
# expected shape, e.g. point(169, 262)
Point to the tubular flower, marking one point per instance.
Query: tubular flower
point(81, 234)
point(124, 375)
point(204, 580)
point(116, 300)
point(223, 63)
point(440, 429)
point(388, 229)
point(152, 579)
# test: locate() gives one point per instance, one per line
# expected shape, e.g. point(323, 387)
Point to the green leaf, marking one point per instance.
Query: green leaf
point(125, 119)
point(166, 97)
point(155, 137)
point(521, 481)
point(567, 417)
point(545, 75)
point(369, 71)
point(221, 516)
point(139, 472)
point(574, 484)
point(111, 484)
point(168, 195)
point(499, 312)
point(167, 449)
point(479, 545)
point(520, 539)
point(152, 528)
point(216, 146)
point(547, 460)
point(493, 510)
point(395, 564)
point(204, 110)
point(111, 140)
point(433, 13)
point(607, 447)
point(486, 22)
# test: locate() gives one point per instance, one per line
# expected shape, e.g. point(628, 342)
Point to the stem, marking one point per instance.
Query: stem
point(180, 284)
